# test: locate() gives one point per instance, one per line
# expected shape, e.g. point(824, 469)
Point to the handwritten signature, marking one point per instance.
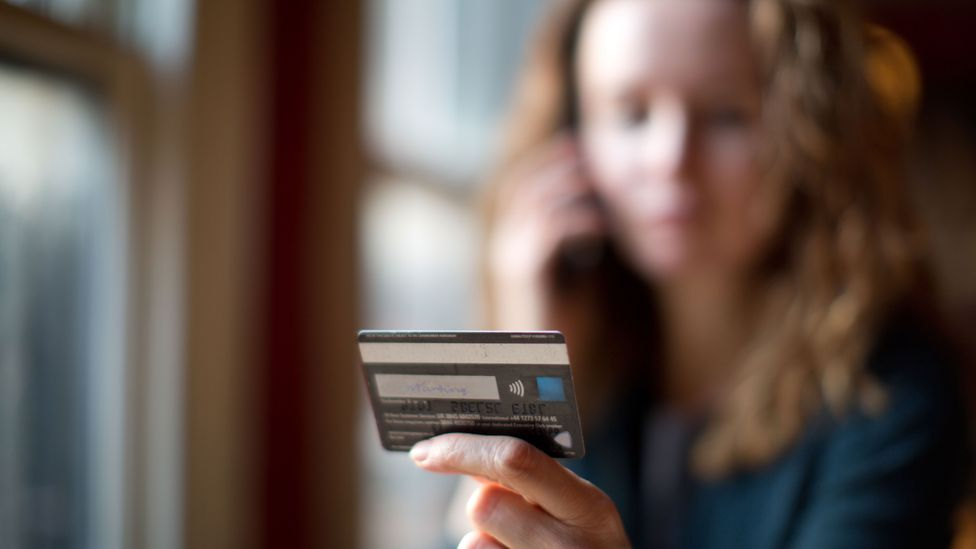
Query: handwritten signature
point(424, 388)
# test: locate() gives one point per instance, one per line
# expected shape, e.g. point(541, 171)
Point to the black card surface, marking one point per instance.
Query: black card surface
point(518, 384)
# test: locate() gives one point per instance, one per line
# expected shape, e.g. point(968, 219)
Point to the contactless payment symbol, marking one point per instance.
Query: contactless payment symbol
point(517, 388)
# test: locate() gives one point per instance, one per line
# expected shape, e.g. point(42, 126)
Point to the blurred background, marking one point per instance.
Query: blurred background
point(201, 201)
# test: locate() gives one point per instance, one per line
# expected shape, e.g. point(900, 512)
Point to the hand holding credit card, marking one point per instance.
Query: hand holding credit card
point(519, 384)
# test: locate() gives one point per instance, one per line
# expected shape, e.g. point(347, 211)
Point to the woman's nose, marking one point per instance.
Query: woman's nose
point(669, 145)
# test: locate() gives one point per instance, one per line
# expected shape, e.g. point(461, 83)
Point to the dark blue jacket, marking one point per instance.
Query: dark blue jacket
point(886, 481)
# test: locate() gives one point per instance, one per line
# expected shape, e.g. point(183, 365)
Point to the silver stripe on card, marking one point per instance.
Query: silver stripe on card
point(464, 353)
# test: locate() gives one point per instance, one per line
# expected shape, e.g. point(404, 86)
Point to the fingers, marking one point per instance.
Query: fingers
point(518, 465)
point(547, 188)
point(583, 221)
point(511, 520)
point(561, 151)
point(527, 498)
point(528, 234)
point(479, 540)
point(548, 177)
point(553, 188)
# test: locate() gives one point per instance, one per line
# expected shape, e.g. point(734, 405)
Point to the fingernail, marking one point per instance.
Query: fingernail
point(419, 451)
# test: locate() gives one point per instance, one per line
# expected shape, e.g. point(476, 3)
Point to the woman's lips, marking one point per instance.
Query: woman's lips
point(675, 213)
point(662, 206)
point(671, 217)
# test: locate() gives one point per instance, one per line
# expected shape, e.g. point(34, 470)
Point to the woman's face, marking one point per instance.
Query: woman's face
point(670, 104)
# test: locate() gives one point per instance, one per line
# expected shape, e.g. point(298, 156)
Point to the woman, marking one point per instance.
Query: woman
point(705, 196)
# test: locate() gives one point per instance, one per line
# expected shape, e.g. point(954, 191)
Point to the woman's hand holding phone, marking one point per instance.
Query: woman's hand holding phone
point(549, 227)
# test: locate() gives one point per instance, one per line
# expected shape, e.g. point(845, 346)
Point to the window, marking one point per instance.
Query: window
point(75, 426)
point(61, 265)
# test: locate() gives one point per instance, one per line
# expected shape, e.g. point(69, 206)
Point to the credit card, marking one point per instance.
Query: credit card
point(519, 384)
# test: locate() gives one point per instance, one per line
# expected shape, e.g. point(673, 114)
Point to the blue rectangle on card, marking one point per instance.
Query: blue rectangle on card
point(551, 388)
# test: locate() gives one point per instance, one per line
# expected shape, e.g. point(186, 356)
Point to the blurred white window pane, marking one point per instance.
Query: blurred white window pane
point(439, 79)
point(61, 330)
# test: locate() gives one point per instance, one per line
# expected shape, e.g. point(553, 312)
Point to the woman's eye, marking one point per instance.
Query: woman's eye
point(727, 118)
point(633, 115)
